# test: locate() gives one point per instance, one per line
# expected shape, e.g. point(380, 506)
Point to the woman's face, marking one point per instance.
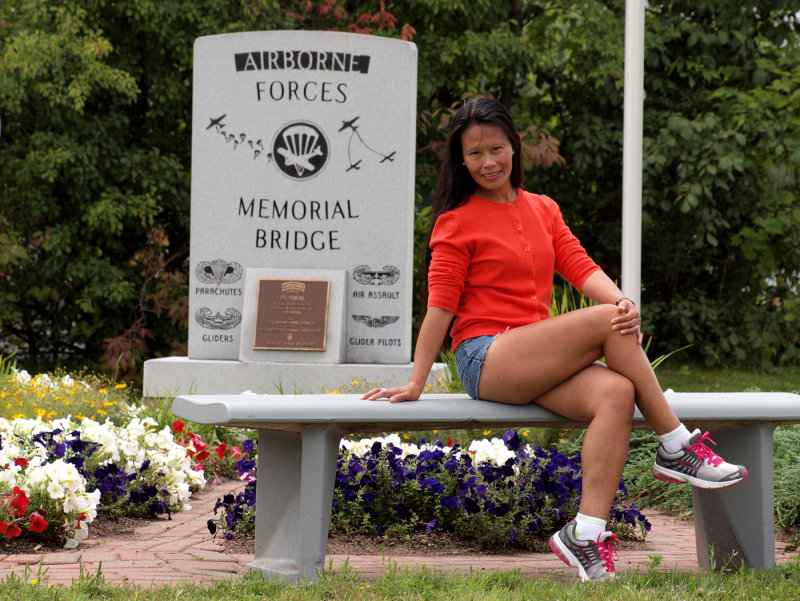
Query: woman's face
point(488, 157)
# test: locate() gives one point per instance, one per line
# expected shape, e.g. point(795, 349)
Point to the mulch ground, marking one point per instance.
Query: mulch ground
point(100, 529)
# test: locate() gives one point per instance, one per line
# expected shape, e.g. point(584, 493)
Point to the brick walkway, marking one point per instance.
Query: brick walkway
point(181, 550)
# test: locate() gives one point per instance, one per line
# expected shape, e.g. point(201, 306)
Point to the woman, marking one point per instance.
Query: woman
point(492, 252)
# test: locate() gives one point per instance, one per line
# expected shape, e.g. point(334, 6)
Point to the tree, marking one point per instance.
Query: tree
point(95, 101)
point(721, 154)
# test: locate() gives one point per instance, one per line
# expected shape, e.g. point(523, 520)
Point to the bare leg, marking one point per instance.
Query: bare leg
point(605, 399)
point(550, 362)
point(524, 363)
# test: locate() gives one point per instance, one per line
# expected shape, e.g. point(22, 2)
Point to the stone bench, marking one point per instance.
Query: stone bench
point(298, 448)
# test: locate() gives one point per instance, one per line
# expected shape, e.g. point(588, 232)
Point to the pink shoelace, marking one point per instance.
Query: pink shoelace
point(607, 551)
point(703, 452)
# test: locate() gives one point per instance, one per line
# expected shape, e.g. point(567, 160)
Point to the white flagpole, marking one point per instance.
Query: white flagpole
point(632, 151)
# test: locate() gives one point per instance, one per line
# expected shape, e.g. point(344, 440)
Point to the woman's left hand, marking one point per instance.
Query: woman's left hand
point(628, 320)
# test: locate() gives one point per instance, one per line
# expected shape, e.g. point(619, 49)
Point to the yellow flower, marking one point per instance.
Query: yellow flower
point(121, 385)
point(355, 382)
point(103, 391)
point(525, 432)
point(18, 416)
point(487, 432)
point(436, 431)
point(406, 436)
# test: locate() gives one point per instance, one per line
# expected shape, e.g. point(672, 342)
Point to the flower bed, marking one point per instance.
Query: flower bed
point(54, 476)
point(498, 492)
point(50, 397)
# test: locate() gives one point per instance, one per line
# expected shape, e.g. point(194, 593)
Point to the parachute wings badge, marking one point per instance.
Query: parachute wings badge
point(219, 272)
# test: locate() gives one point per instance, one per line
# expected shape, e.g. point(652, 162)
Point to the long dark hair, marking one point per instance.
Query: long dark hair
point(455, 183)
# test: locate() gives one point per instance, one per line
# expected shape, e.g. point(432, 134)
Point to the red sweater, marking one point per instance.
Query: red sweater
point(492, 263)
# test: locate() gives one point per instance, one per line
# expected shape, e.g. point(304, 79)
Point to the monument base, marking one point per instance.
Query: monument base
point(171, 376)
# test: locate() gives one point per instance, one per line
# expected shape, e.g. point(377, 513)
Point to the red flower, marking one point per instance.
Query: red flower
point(38, 523)
point(19, 504)
point(21, 461)
point(202, 456)
point(449, 442)
point(221, 448)
point(236, 452)
point(178, 426)
point(12, 531)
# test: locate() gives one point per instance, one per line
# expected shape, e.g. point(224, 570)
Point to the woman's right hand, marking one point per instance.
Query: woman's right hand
point(431, 334)
point(409, 392)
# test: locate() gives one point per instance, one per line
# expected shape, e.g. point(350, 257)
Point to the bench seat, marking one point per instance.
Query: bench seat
point(298, 449)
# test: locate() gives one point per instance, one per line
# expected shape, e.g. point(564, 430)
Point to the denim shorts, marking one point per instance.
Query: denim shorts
point(469, 355)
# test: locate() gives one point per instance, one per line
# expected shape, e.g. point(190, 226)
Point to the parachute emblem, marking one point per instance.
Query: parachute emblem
point(300, 150)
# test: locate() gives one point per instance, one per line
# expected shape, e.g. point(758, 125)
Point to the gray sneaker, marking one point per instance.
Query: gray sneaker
point(594, 560)
point(696, 464)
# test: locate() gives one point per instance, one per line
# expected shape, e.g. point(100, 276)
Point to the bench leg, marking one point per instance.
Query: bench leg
point(736, 526)
point(294, 492)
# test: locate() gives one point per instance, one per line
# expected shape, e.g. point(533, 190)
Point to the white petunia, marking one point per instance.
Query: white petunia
point(55, 490)
point(164, 438)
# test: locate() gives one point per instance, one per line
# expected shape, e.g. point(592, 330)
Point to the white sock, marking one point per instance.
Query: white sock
point(589, 528)
point(672, 440)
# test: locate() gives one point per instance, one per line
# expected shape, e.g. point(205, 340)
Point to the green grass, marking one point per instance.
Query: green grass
point(682, 377)
point(649, 584)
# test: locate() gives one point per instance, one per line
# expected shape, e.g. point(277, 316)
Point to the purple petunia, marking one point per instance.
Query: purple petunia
point(449, 502)
point(522, 500)
point(433, 484)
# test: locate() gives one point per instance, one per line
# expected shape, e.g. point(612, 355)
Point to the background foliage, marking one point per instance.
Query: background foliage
point(95, 103)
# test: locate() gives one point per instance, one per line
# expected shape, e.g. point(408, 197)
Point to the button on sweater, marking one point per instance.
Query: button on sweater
point(492, 263)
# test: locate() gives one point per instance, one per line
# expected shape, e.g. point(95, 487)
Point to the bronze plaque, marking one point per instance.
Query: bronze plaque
point(292, 315)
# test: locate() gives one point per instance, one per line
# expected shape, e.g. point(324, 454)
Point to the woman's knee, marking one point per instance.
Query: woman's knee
point(600, 318)
point(619, 395)
point(605, 313)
